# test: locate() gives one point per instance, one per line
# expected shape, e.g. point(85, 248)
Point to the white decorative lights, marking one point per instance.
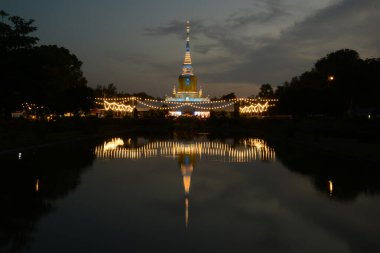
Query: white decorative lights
point(117, 107)
point(255, 105)
point(254, 108)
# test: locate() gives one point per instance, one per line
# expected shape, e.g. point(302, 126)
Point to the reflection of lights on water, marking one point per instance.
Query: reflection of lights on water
point(19, 156)
point(186, 212)
point(250, 149)
point(259, 144)
point(37, 187)
point(113, 144)
point(253, 149)
point(331, 187)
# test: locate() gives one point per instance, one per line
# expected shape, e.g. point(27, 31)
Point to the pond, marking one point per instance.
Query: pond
point(179, 193)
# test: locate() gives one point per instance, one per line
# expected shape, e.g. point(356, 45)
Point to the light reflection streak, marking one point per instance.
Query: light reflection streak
point(331, 187)
point(37, 186)
point(252, 149)
point(113, 144)
point(186, 212)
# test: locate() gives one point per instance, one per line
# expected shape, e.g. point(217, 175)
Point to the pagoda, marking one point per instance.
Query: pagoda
point(187, 90)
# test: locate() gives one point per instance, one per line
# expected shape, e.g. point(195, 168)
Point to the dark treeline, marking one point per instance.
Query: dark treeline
point(47, 76)
point(49, 79)
point(46, 79)
point(110, 91)
point(340, 83)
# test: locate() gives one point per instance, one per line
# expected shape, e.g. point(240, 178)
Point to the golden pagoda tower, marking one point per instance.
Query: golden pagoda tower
point(187, 81)
point(187, 89)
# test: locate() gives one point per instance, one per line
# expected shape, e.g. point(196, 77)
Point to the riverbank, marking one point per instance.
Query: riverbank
point(356, 138)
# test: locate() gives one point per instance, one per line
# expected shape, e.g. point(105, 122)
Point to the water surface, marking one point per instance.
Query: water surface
point(199, 194)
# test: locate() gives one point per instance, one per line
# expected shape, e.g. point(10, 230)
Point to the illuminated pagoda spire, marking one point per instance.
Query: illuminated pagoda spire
point(187, 89)
point(187, 81)
point(187, 68)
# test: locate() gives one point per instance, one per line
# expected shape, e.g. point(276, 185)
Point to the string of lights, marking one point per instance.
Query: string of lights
point(31, 106)
point(160, 107)
point(254, 108)
point(248, 100)
point(256, 105)
point(118, 99)
point(117, 107)
point(213, 107)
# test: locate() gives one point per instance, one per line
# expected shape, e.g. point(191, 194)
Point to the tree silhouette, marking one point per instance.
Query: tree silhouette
point(106, 91)
point(48, 76)
point(3, 14)
point(266, 91)
point(228, 96)
point(16, 35)
point(338, 84)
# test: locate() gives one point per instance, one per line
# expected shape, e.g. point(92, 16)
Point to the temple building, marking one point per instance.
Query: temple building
point(187, 100)
point(187, 88)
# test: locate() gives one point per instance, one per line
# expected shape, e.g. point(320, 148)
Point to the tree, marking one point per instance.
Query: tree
point(15, 46)
point(142, 95)
point(228, 96)
point(338, 83)
point(3, 14)
point(338, 61)
point(266, 91)
point(106, 91)
point(16, 35)
point(57, 80)
point(48, 76)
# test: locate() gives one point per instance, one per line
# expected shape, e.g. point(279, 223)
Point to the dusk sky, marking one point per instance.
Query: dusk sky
point(236, 45)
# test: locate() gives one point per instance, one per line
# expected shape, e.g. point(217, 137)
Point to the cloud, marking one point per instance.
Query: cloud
point(272, 41)
point(349, 24)
point(262, 12)
point(204, 48)
point(175, 27)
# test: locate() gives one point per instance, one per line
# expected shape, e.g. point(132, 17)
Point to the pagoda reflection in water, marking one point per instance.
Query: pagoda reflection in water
point(186, 162)
point(245, 150)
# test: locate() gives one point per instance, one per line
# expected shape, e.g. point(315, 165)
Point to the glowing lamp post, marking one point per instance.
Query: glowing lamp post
point(330, 80)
